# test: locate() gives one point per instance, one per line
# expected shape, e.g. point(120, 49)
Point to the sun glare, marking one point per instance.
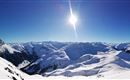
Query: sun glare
point(73, 19)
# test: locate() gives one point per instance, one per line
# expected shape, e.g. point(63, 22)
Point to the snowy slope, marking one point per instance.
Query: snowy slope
point(9, 71)
point(109, 63)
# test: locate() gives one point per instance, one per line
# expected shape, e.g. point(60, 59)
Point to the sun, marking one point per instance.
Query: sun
point(73, 19)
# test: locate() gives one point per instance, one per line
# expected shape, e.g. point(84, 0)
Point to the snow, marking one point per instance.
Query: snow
point(75, 50)
point(23, 64)
point(8, 71)
point(73, 60)
point(109, 63)
point(5, 47)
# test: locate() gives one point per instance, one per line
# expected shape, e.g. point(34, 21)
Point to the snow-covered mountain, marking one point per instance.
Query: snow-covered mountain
point(53, 55)
point(96, 66)
point(90, 59)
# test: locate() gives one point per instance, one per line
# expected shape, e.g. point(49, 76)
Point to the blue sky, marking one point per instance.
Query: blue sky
point(47, 20)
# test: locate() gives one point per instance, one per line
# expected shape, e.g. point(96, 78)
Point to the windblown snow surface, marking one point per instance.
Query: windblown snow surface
point(70, 60)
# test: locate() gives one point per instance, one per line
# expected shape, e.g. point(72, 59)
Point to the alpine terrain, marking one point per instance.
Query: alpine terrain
point(46, 59)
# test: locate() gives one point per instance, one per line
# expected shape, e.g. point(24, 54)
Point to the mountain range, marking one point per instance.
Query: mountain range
point(68, 59)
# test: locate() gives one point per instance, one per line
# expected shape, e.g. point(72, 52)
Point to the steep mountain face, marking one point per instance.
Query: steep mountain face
point(68, 59)
point(13, 55)
point(48, 62)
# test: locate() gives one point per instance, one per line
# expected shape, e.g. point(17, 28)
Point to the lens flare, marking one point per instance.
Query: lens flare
point(73, 20)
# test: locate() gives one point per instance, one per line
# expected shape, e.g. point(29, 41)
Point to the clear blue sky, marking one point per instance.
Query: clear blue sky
point(47, 20)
